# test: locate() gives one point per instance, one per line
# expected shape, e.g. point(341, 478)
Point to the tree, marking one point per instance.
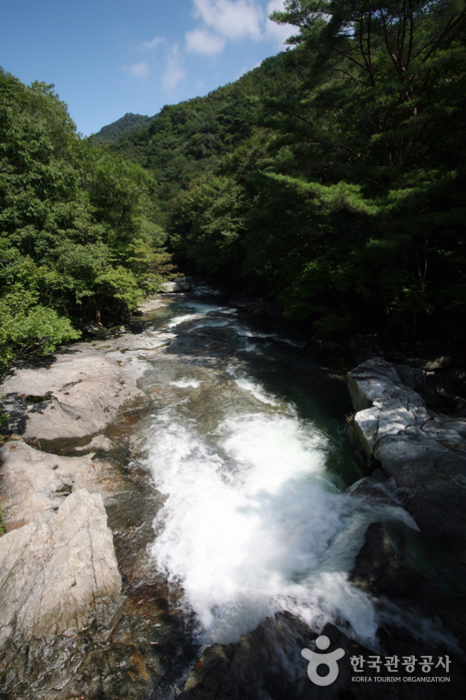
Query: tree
point(373, 125)
point(79, 236)
point(378, 65)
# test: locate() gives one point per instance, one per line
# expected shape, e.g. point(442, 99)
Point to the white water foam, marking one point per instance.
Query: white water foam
point(245, 382)
point(210, 323)
point(200, 310)
point(245, 332)
point(206, 309)
point(186, 383)
point(254, 526)
point(251, 524)
point(182, 319)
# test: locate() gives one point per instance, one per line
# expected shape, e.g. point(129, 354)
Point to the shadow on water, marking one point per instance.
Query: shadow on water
point(224, 365)
point(284, 368)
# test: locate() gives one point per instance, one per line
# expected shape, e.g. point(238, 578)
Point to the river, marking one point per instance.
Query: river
point(245, 447)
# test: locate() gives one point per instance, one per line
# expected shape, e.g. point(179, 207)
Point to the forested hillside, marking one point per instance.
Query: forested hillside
point(332, 176)
point(79, 234)
point(189, 139)
point(113, 131)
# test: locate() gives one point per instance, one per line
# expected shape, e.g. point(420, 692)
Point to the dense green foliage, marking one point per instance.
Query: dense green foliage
point(333, 175)
point(77, 226)
point(330, 178)
point(187, 140)
point(113, 131)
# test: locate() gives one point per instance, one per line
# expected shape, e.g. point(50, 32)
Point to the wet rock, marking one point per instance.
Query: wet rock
point(377, 487)
point(58, 579)
point(423, 452)
point(267, 663)
point(78, 394)
point(380, 566)
point(264, 663)
point(98, 442)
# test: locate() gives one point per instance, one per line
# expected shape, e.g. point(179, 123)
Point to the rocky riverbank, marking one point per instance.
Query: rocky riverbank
point(422, 452)
point(70, 620)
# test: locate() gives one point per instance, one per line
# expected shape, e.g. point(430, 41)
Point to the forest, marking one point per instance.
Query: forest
point(79, 234)
point(330, 179)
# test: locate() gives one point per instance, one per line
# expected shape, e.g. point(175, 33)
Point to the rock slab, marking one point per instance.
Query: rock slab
point(423, 452)
point(78, 394)
point(59, 579)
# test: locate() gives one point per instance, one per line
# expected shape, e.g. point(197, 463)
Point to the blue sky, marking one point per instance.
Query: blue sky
point(109, 57)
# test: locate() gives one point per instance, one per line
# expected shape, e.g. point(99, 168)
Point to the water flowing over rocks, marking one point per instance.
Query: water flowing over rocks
point(380, 566)
point(425, 453)
point(228, 425)
point(266, 664)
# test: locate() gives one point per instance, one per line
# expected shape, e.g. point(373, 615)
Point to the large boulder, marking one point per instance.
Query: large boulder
point(424, 453)
point(35, 483)
point(60, 587)
point(380, 566)
point(268, 663)
point(59, 582)
point(77, 394)
point(179, 284)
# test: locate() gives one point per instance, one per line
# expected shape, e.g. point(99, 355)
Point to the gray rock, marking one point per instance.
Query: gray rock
point(267, 663)
point(380, 566)
point(450, 432)
point(424, 453)
point(410, 458)
point(370, 381)
point(180, 284)
point(377, 487)
point(77, 395)
point(60, 585)
point(439, 507)
point(413, 377)
point(58, 578)
point(151, 305)
point(34, 483)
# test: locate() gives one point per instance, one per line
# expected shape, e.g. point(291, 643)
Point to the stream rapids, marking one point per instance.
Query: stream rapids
point(244, 451)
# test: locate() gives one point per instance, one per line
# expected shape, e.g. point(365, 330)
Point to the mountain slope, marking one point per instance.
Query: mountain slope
point(113, 131)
